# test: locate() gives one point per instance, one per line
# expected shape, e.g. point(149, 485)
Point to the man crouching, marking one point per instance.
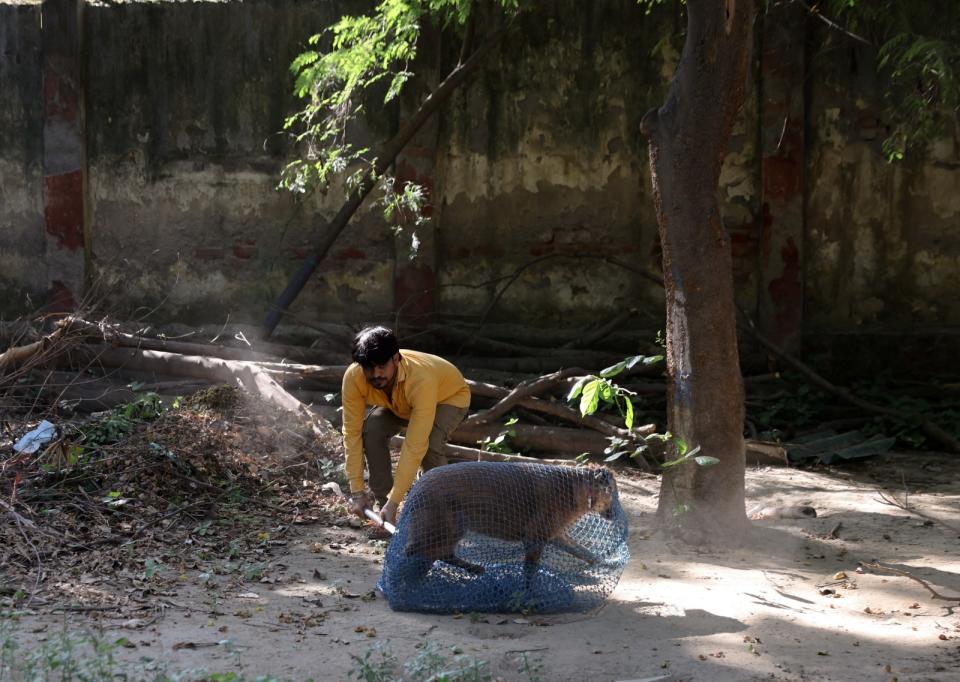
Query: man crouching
point(403, 388)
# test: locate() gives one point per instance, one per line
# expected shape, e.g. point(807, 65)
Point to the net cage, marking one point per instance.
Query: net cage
point(502, 537)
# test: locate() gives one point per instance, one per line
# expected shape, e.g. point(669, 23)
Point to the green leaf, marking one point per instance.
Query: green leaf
point(613, 370)
point(628, 418)
point(590, 398)
point(681, 446)
point(511, 421)
point(706, 460)
point(577, 388)
point(607, 392)
point(615, 456)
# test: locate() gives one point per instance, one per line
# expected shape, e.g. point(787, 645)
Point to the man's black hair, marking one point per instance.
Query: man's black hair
point(374, 346)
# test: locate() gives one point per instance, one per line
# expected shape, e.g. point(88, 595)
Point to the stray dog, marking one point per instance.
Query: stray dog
point(529, 503)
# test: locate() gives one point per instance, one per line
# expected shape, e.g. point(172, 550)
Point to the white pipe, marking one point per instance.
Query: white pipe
point(374, 516)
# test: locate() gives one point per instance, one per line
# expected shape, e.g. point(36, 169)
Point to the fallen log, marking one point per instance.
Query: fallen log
point(557, 439)
point(538, 364)
point(247, 374)
point(88, 393)
point(524, 390)
point(459, 453)
point(17, 356)
point(263, 352)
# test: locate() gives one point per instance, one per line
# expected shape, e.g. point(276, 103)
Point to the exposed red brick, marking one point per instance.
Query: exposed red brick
point(301, 252)
point(63, 212)
point(245, 248)
point(350, 253)
point(786, 292)
point(405, 172)
point(60, 299)
point(781, 177)
point(209, 252)
point(61, 101)
point(489, 251)
point(413, 287)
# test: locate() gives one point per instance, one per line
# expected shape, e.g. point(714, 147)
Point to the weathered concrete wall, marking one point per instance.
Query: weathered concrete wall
point(882, 254)
point(186, 103)
point(883, 239)
point(23, 274)
point(542, 158)
point(537, 164)
point(543, 162)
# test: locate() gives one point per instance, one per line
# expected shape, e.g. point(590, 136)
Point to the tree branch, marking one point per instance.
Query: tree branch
point(388, 153)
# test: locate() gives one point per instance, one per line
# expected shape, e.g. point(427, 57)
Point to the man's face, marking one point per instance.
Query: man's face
point(382, 376)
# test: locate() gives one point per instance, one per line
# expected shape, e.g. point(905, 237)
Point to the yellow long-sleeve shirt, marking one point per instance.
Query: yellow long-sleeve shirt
point(423, 381)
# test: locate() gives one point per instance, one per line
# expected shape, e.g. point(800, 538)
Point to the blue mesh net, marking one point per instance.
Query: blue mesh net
point(503, 537)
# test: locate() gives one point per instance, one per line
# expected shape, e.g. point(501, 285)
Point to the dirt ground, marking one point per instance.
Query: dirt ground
point(789, 606)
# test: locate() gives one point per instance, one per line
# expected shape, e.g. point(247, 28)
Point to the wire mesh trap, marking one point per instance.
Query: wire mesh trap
point(503, 537)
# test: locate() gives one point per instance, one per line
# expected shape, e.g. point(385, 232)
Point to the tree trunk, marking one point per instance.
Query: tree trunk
point(688, 137)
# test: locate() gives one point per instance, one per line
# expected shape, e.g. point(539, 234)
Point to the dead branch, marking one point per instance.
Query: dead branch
point(905, 506)
point(556, 439)
point(23, 520)
point(385, 157)
point(459, 453)
point(897, 571)
point(16, 357)
point(553, 409)
point(264, 352)
point(524, 390)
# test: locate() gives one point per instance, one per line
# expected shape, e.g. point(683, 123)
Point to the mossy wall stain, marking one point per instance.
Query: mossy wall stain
point(23, 277)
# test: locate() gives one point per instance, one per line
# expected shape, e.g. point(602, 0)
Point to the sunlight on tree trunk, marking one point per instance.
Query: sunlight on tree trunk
point(688, 137)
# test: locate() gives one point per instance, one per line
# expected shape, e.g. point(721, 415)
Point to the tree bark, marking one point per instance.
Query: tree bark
point(688, 137)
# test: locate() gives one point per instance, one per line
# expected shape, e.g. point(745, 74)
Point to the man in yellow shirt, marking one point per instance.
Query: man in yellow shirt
point(385, 390)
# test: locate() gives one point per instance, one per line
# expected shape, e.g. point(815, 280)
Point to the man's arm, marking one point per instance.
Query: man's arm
point(423, 403)
point(354, 406)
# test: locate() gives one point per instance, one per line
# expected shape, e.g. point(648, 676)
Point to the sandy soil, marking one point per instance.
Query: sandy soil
point(753, 613)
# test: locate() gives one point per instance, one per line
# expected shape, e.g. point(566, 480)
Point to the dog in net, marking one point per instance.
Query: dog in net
point(504, 537)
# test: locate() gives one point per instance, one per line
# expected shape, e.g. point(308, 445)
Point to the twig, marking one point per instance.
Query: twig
point(16, 515)
point(894, 502)
point(832, 24)
point(897, 571)
point(81, 609)
point(143, 527)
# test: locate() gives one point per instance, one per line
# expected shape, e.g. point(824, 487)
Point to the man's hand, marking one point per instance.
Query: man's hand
point(358, 501)
point(389, 512)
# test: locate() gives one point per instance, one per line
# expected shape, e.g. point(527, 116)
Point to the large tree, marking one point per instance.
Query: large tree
point(688, 136)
